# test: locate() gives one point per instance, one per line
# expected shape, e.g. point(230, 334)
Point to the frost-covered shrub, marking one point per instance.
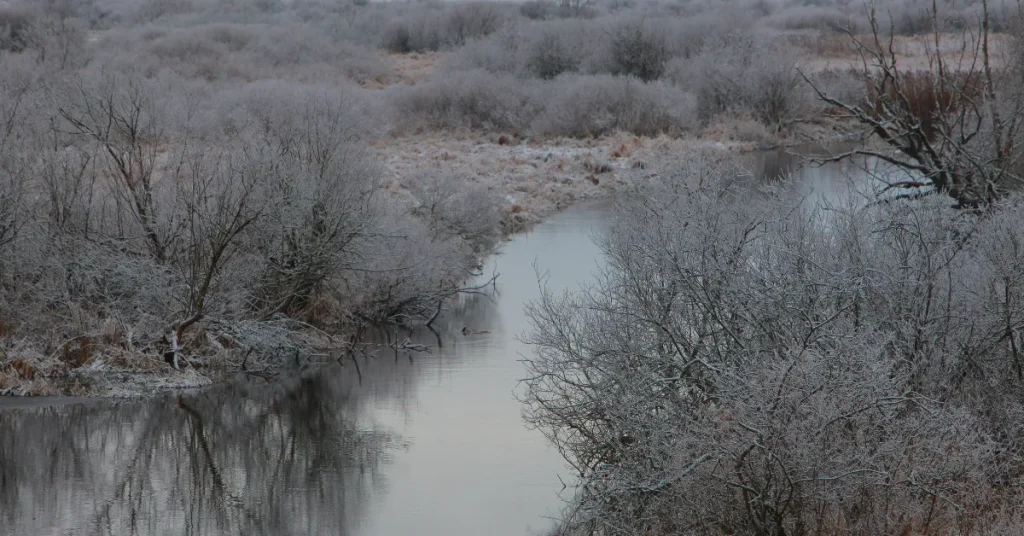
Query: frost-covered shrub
point(473, 99)
point(538, 9)
point(572, 105)
point(751, 362)
point(222, 51)
point(745, 74)
point(820, 19)
point(637, 47)
point(15, 30)
point(457, 207)
point(499, 53)
point(149, 216)
point(602, 104)
point(537, 50)
point(448, 27)
point(556, 47)
point(628, 44)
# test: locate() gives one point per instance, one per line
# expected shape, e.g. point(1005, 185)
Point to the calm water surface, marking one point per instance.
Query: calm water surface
point(426, 444)
point(413, 443)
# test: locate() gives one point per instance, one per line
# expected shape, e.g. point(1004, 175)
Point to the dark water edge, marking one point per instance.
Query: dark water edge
point(25, 402)
point(197, 464)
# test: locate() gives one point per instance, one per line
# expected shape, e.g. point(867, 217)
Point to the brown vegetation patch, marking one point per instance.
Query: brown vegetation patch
point(415, 67)
point(78, 351)
point(20, 368)
point(538, 176)
point(621, 151)
point(924, 95)
point(597, 167)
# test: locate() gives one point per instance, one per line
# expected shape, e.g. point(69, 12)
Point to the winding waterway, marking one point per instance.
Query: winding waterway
point(414, 443)
point(411, 443)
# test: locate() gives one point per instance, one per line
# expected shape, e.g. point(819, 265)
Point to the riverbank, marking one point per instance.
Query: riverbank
point(539, 176)
point(533, 178)
point(401, 443)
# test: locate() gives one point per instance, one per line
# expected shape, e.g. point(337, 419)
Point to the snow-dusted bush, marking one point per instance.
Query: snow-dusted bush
point(542, 49)
point(754, 363)
point(629, 44)
point(556, 47)
point(245, 52)
point(571, 105)
point(821, 19)
point(746, 74)
point(132, 223)
point(457, 207)
point(448, 27)
point(637, 47)
point(603, 104)
point(473, 99)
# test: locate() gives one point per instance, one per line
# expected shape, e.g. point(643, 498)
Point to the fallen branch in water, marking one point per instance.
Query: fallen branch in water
point(407, 344)
point(464, 290)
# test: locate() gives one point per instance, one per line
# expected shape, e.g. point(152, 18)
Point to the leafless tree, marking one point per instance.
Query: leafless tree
point(221, 196)
point(11, 195)
point(14, 167)
point(69, 178)
point(953, 126)
point(121, 116)
point(56, 34)
point(328, 200)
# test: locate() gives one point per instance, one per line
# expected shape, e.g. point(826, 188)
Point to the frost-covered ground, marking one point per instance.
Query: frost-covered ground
point(103, 378)
point(534, 177)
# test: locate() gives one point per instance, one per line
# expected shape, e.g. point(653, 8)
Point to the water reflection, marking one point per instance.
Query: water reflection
point(472, 467)
point(414, 443)
point(807, 171)
point(245, 459)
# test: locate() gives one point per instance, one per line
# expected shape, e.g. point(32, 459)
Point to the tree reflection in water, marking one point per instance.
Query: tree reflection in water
point(291, 458)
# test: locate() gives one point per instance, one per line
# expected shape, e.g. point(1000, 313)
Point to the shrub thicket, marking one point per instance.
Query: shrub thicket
point(754, 363)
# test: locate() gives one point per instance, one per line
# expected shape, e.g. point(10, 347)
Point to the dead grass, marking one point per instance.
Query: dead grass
point(536, 177)
point(926, 96)
point(414, 67)
point(839, 52)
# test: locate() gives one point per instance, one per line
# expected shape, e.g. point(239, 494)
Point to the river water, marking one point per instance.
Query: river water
point(413, 443)
point(410, 443)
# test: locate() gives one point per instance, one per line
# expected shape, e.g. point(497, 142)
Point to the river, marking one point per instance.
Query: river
point(405, 443)
point(413, 443)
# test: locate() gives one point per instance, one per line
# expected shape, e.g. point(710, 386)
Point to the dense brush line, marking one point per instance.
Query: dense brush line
point(750, 362)
point(132, 222)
